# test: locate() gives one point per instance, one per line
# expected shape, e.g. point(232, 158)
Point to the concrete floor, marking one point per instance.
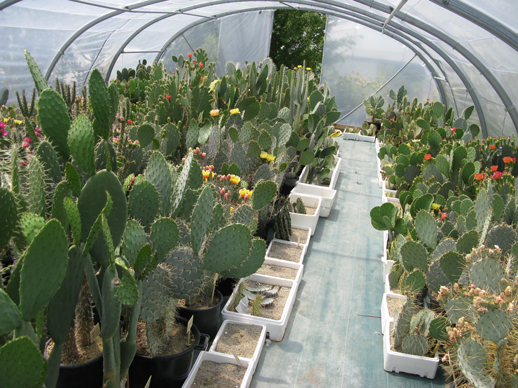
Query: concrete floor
point(334, 336)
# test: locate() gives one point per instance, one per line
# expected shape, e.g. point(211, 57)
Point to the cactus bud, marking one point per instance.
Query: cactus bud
point(168, 96)
point(116, 282)
point(189, 55)
point(203, 155)
point(129, 121)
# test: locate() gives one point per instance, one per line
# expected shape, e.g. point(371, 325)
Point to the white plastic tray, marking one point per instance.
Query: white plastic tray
point(385, 316)
point(304, 248)
point(276, 328)
point(327, 195)
point(293, 226)
point(407, 363)
point(220, 359)
point(285, 263)
point(310, 221)
point(258, 349)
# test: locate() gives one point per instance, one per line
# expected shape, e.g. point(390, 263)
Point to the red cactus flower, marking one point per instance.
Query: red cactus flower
point(494, 168)
point(497, 175)
point(514, 160)
point(189, 55)
point(453, 129)
point(201, 65)
point(492, 146)
point(428, 157)
point(443, 216)
point(201, 79)
point(168, 96)
point(129, 121)
point(507, 159)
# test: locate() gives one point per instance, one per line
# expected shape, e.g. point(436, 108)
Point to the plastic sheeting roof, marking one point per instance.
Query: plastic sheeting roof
point(469, 46)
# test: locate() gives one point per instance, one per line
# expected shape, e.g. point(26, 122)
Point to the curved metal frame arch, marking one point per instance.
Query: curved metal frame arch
point(371, 3)
point(486, 73)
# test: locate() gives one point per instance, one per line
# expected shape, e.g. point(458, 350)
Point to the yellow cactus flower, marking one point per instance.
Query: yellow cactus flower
point(6, 120)
point(231, 209)
point(263, 155)
point(245, 194)
point(336, 133)
point(206, 174)
point(214, 112)
point(299, 66)
point(435, 206)
point(308, 99)
point(17, 122)
point(270, 157)
point(234, 111)
point(235, 179)
point(308, 68)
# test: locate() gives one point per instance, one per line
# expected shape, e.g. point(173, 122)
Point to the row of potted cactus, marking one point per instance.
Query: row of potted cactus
point(138, 195)
point(449, 215)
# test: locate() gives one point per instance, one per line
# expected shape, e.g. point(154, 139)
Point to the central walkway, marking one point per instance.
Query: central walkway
point(334, 336)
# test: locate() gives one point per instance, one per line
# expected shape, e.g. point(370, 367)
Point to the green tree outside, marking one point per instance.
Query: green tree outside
point(298, 36)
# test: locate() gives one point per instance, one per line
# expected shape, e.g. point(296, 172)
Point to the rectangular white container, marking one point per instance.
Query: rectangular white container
point(258, 349)
point(335, 171)
point(307, 228)
point(220, 359)
point(385, 316)
point(310, 221)
point(285, 263)
point(276, 328)
point(284, 242)
point(407, 363)
point(327, 195)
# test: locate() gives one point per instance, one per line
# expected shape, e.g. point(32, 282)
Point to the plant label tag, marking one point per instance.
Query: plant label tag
point(189, 326)
point(237, 358)
point(94, 334)
point(242, 307)
point(148, 384)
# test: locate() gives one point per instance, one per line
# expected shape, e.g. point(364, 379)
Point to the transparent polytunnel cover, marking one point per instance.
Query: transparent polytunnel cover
point(462, 52)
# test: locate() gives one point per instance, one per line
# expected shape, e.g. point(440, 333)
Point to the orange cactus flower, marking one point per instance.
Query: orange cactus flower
point(507, 159)
point(494, 168)
point(428, 157)
point(492, 146)
point(479, 177)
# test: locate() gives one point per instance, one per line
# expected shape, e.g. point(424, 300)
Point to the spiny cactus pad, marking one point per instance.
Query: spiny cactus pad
point(8, 216)
point(415, 344)
point(263, 173)
point(243, 215)
point(189, 278)
point(251, 264)
point(414, 281)
point(81, 141)
point(483, 208)
point(164, 236)
point(10, 318)
point(452, 264)
point(155, 294)
point(62, 306)
point(92, 201)
point(414, 255)
point(50, 162)
point(467, 242)
point(31, 224)
point(229, 247)
point(460, 308)
point(503, 236)
point(36, 196)
point(73, 179)
point(54, 120)
point(426, 228)
point(44, 268)
point(494, 325)
point(134, 239)
point(181, 183)
point(472, 360)
point(263, 194)
point(444, 246)
point(58, 209)
point(21, 364)
point(201, 218)
point(435, 277)
point(127, 292)
point(101, 103)
point(143, 203)
point(157, 172)
point(438, 328)
point(487, 274)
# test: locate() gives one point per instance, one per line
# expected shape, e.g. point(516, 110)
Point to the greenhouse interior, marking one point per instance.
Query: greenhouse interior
point(180, 209)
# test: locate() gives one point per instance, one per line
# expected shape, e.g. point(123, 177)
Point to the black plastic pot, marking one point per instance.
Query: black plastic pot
point(167, 371)
point(207, 320)
point(226, 286)
point(85, 375)
point(287, 186)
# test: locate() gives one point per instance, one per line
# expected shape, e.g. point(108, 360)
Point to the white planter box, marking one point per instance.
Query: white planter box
point(307, 228)
point(304, 248)
point(284, 263)
point(335, 171)
point(387, 265)
point(358, 137)
point(385, 316)
point(310, 221)
point(327, 195)
point(220, 359)
point(276, 328)
point(407, 363)
point(385, 243)
point(258, 349)
point(387, 285)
